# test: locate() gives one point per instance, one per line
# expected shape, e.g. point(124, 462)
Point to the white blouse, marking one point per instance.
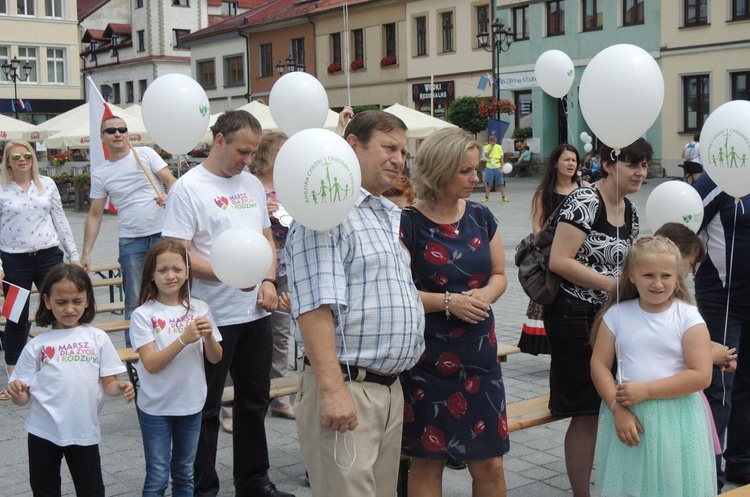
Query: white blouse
point(32, 220)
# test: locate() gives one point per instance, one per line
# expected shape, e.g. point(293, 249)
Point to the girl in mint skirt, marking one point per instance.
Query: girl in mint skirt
point(654, 435)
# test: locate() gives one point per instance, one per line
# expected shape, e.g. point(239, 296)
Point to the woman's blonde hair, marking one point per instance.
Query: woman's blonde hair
point(439, 159)
point(643, 247)
point(7, 176)
point(268, 145)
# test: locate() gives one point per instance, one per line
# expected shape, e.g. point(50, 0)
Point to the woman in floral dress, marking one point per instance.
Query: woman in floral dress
point(454, 397)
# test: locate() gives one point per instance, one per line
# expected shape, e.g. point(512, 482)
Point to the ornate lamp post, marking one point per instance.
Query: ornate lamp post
point(501, 41)
point(11, 72)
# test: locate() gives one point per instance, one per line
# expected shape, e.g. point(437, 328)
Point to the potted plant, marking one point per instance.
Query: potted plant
point(82, 184)
point(60, 158)
point(63, 182)
point(357, 64)
point(490, 107)
point(388, 61)
point(334, 67)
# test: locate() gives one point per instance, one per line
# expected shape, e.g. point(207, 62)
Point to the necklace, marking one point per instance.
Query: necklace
point(452, 226)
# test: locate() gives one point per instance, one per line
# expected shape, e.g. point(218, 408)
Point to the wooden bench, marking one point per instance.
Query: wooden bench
point(738, 492)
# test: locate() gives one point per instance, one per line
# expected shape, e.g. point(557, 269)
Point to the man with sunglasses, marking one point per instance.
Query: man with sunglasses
point(139, 209)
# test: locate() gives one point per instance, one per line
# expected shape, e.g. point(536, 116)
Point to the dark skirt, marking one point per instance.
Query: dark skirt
point(568, 323)
point(533, 337)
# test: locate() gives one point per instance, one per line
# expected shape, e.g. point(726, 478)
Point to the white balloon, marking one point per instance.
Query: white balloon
point(588, 147)
point(241, 257)
point(588, 139)
point(317, 178)
point(176, 112)
point(674, 202)
point(621, 94)
point(507, 168)
point(554, 71)
point(298, 101)
point(725, 147)
point(584, 136)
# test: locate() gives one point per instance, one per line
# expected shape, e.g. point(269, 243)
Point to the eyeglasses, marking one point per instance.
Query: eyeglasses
point(25, 155)
point(111, 131)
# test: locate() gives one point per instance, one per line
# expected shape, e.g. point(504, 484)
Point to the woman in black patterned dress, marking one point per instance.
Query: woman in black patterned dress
point(454, 398)
point(596, 226)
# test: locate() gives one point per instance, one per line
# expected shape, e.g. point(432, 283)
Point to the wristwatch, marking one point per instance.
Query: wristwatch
point(272, 281)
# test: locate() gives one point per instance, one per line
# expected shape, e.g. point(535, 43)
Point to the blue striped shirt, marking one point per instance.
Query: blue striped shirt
point(362, 273)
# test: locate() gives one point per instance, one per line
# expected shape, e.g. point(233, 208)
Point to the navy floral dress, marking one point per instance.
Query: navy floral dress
point(454, 398)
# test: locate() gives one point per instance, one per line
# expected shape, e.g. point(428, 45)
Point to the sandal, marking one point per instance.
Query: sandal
point(4, 395)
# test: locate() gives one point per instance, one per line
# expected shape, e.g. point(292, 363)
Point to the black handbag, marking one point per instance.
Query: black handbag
point(532, 259)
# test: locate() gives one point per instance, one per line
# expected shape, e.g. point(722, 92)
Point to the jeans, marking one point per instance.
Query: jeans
point(44, 468)
point(169, 444)
point(729, 393)
point(250, 344)
point(132, 253)
point(23, 270)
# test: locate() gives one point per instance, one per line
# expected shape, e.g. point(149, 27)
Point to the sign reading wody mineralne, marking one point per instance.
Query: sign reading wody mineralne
point(443, 90)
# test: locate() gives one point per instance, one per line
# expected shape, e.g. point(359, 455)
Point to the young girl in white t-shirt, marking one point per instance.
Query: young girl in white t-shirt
point(63, 371)
point(171, 331)
point(654, 437)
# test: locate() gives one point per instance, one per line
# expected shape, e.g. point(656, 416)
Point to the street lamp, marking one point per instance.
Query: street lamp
point(11, 72)
point(280, 68)
point(501, 41)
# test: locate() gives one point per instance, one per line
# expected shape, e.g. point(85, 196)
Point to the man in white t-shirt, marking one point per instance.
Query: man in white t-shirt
point(211, 198)
point(139, 208)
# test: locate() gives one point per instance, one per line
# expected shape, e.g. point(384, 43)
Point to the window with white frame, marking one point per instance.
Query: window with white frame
point(696, 99)
point(4, 59)
point(56, 65)
point(632, 12)
point(229, 8)
point(358, 38)
point(740, 10)
point(116, 97)
point(336, 48)
point(234, 70)
point(446, 26)
point(556, 17)
point(593, 17)
point(25, 7)
point(29, 54)
point(482, 13)
point(53, 8)
point(138, 4)
point(129, 93)
point(4, 7)
point(420, 28)
point(521, 22)
point(695, 12)
point(389, 33)
point(181, 3)
point(141, 40)
point(740, 85)
point(298, 51)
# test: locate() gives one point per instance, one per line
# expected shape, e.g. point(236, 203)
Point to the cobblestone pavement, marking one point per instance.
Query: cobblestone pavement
point(535, 466)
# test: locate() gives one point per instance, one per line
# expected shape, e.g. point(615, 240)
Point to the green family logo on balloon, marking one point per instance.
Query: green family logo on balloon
point(696, 218)
point(320, 187)
point(203, 110)
point(730, 148)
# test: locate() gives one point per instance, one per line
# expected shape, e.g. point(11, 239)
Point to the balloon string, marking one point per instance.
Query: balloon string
point(349, 435)
point(347, 68)
point(729, 292)
point(567, 118)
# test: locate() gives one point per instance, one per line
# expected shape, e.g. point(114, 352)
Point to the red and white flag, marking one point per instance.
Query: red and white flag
point(15, 300)
point(98, 111)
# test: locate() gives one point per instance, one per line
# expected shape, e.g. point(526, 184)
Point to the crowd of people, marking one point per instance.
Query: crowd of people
point(392, 314)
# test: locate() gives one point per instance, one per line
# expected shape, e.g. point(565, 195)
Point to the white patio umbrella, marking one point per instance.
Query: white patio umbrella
point(262, 113)
point(420, 125)
point(67, 121)
point(78, 136)
point(13, 129)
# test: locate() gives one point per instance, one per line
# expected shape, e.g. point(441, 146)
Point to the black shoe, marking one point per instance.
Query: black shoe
point(456, 464)
point(739, 478)
point(270, 490)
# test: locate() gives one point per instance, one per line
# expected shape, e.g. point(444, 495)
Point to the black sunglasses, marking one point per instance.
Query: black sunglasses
point(111, 131)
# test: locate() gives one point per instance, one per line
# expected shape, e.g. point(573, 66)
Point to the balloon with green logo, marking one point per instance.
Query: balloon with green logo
point(725, 147)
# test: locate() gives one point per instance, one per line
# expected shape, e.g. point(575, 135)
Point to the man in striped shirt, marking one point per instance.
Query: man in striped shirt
point(359, 321)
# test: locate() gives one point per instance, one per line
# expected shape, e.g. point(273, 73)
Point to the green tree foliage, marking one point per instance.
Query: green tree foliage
point(464, 113)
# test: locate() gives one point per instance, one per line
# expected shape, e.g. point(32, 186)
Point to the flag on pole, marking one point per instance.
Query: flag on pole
point(15, 300)
point(98, 111)
point(483, 82)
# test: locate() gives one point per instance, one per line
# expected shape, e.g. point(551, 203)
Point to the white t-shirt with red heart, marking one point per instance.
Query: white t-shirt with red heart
point(63, 370)
point(180, 388)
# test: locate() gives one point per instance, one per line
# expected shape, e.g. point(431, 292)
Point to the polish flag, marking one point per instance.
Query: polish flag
point(98, 111)
point(15, 300)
